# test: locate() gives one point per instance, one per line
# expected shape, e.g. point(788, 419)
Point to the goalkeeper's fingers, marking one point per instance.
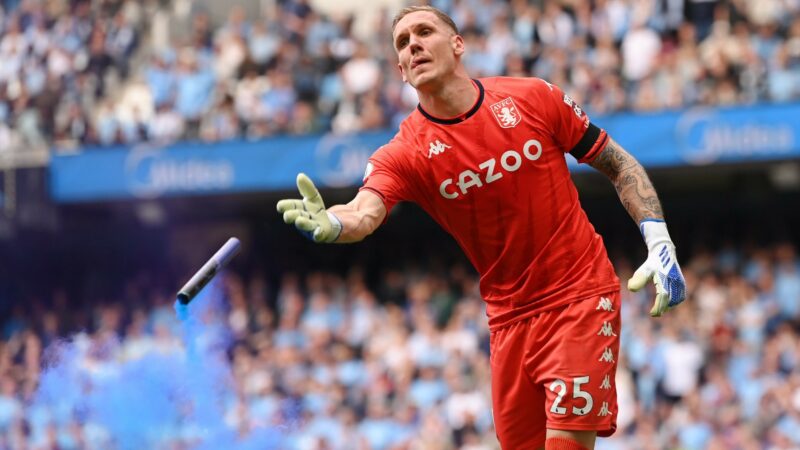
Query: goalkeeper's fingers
point(640, 278)
point(293, 214)
point(661, 305)
point(290, 204)
point(311, 228)
point(308, 190)
point(306, 224)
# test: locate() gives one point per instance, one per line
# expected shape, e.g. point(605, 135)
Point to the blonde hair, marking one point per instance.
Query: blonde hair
point(437, 12)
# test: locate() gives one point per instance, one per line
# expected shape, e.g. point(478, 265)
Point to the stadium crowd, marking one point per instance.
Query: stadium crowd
point(335, 361)
point(101, 72)
point(404, 364)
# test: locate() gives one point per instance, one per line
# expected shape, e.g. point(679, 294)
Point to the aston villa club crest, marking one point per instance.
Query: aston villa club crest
point(506, 113)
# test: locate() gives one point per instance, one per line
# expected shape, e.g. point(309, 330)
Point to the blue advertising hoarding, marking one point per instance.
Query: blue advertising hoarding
point(696, 136)
point(703, 136)
point(195, 168)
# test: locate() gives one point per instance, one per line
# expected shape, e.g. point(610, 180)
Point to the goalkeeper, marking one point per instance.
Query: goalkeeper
point(485, 158)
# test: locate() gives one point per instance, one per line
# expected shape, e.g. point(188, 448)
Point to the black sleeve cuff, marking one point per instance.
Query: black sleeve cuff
point(586, 143)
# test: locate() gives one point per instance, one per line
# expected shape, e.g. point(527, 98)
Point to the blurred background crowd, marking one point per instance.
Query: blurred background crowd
point(403, 364)
point(390, 351)
point(83, 72)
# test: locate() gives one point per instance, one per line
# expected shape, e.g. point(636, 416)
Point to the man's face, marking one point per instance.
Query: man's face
point(426, 48)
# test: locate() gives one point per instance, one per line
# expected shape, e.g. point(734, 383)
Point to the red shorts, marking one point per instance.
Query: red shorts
point(556, 370)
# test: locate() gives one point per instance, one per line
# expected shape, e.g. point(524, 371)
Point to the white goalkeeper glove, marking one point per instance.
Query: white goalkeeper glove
point(661, 266)
point(309, 215)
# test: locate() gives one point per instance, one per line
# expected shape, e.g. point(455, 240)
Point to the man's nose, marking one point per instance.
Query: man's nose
point(414, 44)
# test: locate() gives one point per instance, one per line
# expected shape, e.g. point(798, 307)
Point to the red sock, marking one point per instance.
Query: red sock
point(560, 443)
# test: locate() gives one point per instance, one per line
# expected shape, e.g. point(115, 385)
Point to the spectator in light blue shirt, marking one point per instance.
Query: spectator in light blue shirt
point(263, 44)
point(350, 371)
point(10, 406)
point(320, 33)
point(695, 435)
point(766, 42)
point(787, 283)
point(781, 81)
point(429, 389)
point(320, 315)
point(378, 428)
point(195, 87)
point(279, 99)
point(34, 77)
point(324, 425)
point(742, 364)
point(161, 80)
point(789, 425)
point(65, 34)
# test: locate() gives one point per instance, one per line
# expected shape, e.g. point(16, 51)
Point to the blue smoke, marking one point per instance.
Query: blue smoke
point(156, 400)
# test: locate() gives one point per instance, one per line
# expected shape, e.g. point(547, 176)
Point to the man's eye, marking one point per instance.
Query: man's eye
point(425, 32)
point(402, 43)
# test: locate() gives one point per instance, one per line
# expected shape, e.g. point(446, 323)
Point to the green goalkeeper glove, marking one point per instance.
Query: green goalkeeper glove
point(309, 215)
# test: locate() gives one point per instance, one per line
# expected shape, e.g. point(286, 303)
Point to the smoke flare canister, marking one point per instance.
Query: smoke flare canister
point(208, 271)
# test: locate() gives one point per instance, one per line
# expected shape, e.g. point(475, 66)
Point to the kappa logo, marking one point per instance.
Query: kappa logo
point(606, 330)
point(506, 113)
point(608, 356)
point(605, 304)
point(437, 147)
point(604, 410)
point(606, 384)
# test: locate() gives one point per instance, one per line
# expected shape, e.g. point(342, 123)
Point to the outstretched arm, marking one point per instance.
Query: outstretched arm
point(639, 198)
point(340, 223)
point(360, 217)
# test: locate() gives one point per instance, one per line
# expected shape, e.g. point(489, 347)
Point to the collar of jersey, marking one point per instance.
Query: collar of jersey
point(462, 117)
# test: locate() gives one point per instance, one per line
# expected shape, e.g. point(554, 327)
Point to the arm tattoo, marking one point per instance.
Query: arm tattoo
point(633, 186)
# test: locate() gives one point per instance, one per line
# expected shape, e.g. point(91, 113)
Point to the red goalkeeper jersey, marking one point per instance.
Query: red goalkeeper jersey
point(496, 179)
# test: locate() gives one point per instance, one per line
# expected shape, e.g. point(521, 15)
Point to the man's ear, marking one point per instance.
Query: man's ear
point(402, 73)
point(457, 42)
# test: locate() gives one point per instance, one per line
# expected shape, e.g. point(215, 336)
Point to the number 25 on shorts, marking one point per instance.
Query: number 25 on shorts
point(560, 388)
